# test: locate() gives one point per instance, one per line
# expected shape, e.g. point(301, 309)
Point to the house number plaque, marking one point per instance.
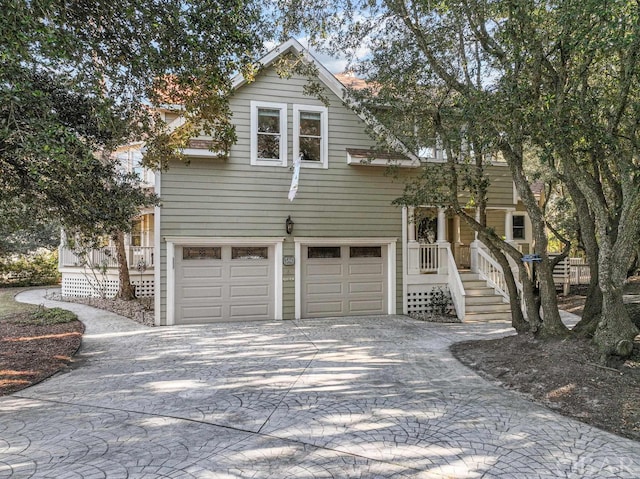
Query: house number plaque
point(288, 260)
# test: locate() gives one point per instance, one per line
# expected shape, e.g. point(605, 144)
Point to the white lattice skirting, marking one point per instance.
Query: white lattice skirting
point(420, 299)
point(80, 286)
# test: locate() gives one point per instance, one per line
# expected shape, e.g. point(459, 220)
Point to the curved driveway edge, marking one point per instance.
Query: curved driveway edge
point(361, 397)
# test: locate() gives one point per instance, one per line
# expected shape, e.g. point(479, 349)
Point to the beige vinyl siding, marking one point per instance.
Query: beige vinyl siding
point(501, 186)
point(231, 198)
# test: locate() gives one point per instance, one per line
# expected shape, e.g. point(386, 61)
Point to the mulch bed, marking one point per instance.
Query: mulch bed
point(30, 353)
point(565, 375)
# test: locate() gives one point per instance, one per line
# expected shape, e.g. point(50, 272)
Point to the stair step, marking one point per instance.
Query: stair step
point(474, 283)
point(488, 308)
point(469, 276)
point(486, 291)
point(488, 299)
point(482, 317)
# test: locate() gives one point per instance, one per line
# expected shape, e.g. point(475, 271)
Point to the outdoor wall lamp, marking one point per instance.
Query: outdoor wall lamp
point(289, 225)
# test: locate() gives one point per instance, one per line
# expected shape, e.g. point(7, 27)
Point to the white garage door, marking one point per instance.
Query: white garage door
point(343, 280)
point(224, 283)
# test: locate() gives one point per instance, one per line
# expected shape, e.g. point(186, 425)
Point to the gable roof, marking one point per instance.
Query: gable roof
point(334, 85)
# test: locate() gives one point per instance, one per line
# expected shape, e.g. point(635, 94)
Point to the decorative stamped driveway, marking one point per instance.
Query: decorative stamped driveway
point(333, 398)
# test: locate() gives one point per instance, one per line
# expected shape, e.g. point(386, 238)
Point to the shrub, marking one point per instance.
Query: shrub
point(33, 269)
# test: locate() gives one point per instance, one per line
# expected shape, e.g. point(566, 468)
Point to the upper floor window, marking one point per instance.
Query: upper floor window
point(268, 134)
point(310, 135)
point(518, 227)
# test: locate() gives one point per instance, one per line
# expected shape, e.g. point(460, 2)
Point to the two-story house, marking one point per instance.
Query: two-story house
point(229, 244)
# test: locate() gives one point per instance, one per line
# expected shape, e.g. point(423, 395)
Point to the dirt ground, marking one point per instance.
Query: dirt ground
point(565, 375)
point(30, 353)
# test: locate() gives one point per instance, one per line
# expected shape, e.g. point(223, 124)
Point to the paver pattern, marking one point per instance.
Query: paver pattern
point(334, 398)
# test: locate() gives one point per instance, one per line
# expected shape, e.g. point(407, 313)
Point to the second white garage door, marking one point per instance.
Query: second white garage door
point(343, 280)
point(224, 283)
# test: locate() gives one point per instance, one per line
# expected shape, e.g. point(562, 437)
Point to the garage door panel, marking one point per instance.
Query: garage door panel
point(249, 291)
point(324, 288)
point(202, 271)
point(206, 292)
point(366, 269)
point(366, 306)
point(323, 270)
point(366, 287)
point(325, 308)
point(249, 271)
point(248, 311)
point(195, 313)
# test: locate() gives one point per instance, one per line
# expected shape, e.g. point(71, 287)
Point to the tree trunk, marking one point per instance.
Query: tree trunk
point(552, 325)
point(592, 311)
point(615, 326)
point(126, 290)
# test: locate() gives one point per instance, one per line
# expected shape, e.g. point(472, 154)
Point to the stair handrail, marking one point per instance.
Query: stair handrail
point(491, 271)
point(456, 288)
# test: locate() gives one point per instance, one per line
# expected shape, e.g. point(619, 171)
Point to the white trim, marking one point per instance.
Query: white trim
point(171, 284)
point(297, 291)
point(405, 265)
point(324, 135)
point(314, 241)
point(157, 285)
point(408, 163)
point(202, 153)
point(282, 107)
point(173, 241)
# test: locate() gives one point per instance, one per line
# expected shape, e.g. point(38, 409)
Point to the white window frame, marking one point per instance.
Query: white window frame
point(255, 161)
point(524, 227)
point(324, 132)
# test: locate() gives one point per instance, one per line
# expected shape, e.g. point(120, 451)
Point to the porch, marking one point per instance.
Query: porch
point(443, 252)
point(95, 272)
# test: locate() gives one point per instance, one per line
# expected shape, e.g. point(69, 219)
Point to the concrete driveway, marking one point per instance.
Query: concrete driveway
point(336, 398)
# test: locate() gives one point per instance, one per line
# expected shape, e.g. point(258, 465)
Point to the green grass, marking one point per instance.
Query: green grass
point(15, 312)
point(9, 307)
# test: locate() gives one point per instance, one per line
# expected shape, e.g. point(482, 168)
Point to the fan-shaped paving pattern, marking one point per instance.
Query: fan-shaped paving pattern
point(335, 398)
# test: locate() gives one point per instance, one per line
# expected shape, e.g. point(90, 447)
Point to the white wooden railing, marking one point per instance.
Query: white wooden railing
point(456, 288)
point(462, 255)
point(491, 272)
point(429, 258)
point(141, 255)
point(106, 256)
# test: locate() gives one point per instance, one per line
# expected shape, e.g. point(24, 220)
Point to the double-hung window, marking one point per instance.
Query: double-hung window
point(519, 232)
point(268, 134)
point(310, 135)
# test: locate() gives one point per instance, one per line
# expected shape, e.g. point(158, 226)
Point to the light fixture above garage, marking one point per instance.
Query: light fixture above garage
point(289, 225)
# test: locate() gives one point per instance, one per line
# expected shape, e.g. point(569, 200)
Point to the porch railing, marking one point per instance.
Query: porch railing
point(491, 271)
point(456, 287)
point(106, 256)
point(429, 258)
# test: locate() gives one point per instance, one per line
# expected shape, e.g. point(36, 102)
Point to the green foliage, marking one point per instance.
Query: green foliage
point(440, 302)
point(41, 316)
point(34, 269)
point(76, 80)
point(48, 316)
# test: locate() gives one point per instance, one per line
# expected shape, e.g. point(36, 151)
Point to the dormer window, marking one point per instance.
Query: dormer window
point(268, 134)
point(310, 135)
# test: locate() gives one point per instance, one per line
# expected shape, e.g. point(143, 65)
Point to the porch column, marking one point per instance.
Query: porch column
point(443, 244)
point(413, 247)
point(508, 226)
point(442, 226)
point(473, 247)
point(411, 223)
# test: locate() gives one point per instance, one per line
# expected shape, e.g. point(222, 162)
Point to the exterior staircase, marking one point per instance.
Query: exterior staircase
point(481, 301)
